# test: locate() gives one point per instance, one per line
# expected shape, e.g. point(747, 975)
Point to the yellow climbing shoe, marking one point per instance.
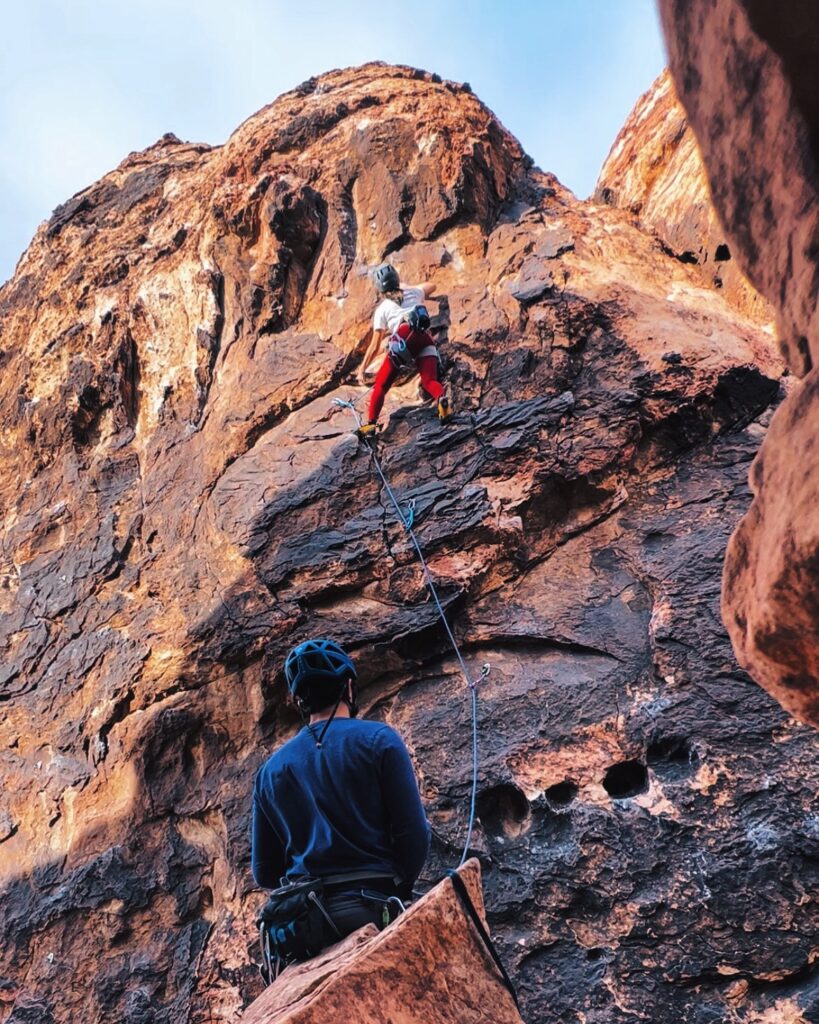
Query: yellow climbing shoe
point(367, 429)
point(444, 409)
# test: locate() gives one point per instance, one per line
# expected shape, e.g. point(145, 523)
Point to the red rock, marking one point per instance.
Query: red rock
point(430, 966)
point(746, 74)
point(182, 500)
point(771, 581)
point(655, 171)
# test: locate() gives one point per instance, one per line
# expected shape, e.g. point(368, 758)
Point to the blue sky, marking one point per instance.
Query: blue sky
point(84, 82)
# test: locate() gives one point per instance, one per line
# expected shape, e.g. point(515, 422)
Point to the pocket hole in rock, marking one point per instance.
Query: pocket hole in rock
point(626, 779)
point(561, 794)
point(504, 811)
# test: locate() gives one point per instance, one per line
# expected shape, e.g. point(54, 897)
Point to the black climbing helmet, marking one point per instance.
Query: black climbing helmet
point(317, 671)
point(386, 278)
point(418, 318)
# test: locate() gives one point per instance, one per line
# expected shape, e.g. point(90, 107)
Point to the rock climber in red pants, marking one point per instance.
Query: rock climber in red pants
point(403, 317)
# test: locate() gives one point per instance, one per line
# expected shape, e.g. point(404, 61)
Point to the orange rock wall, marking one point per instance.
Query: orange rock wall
point(182, 501)
point(655, 171)
point(746, 74)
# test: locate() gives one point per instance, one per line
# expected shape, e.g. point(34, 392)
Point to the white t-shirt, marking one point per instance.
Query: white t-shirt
point(388, 314)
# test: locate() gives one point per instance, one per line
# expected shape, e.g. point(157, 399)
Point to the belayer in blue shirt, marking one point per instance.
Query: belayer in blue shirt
point(339, 802)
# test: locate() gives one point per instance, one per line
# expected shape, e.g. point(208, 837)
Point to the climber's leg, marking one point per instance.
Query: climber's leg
point(428, 369)
point(384, 380)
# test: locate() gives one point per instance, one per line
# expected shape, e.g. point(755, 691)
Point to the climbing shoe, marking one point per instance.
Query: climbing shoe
point(367, 430)
point(444, 409)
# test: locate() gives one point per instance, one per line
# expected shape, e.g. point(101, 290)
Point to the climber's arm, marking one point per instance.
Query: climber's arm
point(267, 858)
point(409, 828)
point(374, 345)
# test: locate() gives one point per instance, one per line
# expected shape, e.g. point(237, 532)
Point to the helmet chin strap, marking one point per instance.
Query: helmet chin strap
point(327, 723)
point(348, 696)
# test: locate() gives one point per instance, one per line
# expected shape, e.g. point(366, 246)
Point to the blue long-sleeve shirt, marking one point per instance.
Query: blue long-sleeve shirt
point(352, 805)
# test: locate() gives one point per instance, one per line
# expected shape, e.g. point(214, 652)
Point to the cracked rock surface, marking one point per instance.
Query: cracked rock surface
point(183, 500)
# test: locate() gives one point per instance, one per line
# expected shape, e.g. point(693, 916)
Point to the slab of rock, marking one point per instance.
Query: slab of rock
point(747, 76)
point(429, 967)
point(299, 985)
point(182, 501)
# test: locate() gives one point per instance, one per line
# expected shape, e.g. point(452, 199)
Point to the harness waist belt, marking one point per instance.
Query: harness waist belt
point(360, 879)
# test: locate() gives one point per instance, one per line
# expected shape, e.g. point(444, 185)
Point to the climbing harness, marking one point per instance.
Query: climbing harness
point(391, 906)
point(462, 893)
point(409, 339)
point(407, 520)
point(293, 925)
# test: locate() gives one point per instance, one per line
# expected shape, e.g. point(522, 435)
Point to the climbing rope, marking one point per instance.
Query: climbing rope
point(407, 520)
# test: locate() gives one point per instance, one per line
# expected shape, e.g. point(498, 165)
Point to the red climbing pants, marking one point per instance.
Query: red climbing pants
point(427, 367)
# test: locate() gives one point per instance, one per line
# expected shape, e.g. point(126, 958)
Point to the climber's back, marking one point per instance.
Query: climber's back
point(348, 805)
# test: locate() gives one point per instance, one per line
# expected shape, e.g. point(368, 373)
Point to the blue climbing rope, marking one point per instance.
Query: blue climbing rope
point(407, 520)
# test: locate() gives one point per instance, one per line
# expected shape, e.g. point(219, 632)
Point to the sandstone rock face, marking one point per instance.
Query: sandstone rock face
point(429, 967)
point(746, 73)
point(182, 500)
point(771, 580)
point(655, 171)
